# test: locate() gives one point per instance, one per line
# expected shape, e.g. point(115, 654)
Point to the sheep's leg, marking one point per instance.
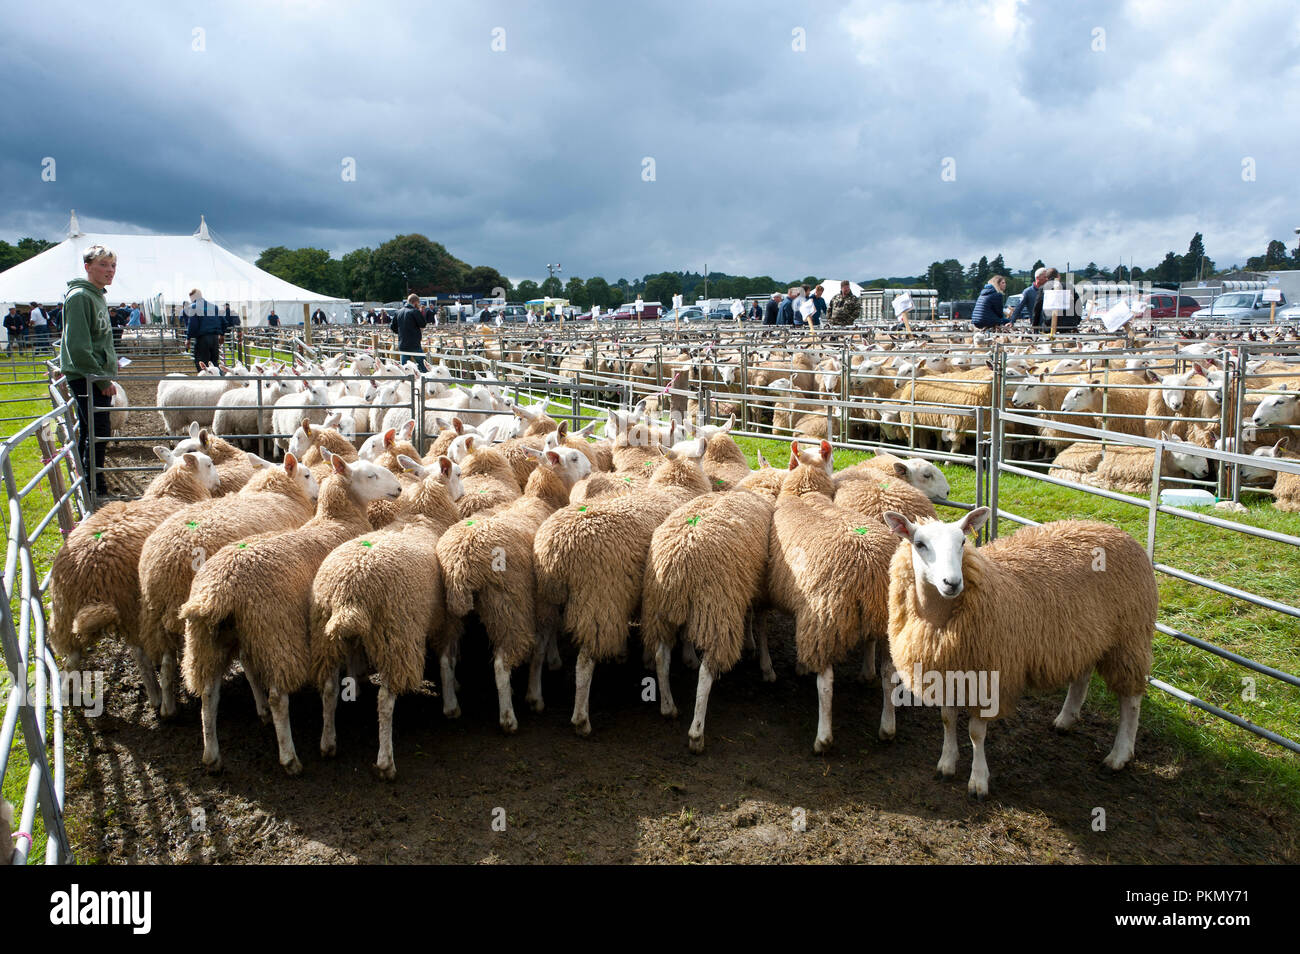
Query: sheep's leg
point(534, 696)
point(1129, 709)
point(147, 676)
point(868, 671)
point(259, 694)
point(283, 733)
point(663, 662)
point(582, 695)
point(329, 703)
point(825, 688)
point(886, 698)
point(167, 685)
point(702, 689)
point(689, 658)
point(553, 660)
point(447, 668)
point(978, 785)
point(750, 645)
point(385, 767)
point(505, 705)
point(764, 657)
point(948, 757)
point(1073, 702)
point(211, 753)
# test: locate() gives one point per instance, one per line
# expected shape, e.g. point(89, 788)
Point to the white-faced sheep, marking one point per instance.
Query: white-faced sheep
point(489, 479)
point(253, 599)
point(95, 578)
point(921, 474)
point(829, 568)
point(1040, 610)
point(184, 399)
point(487, 562)
point(310, 403)
point(590, 560)
point(382, 593)
point(276, 498)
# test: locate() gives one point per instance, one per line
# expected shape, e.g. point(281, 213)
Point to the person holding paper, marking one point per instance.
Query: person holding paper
point(87, 348)
point(819, 302)
point(1031, 300)
point(988, 311)
point(772, 309)
point(786, 314)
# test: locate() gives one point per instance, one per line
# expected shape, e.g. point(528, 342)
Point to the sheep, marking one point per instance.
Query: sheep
point(183, 399)
point(706, 568)
point(1088, 399)
point(253, 599)
point(488, 478)
point(233, 465)
point(600, 453)
point(1128, 469)
point(276, 498)
point(590, 560)
point(94, 578)
point(921, 474)
point(310, 403)
point(724, 462)
point(967, 388)
point(237, 409)
point(121, 410)
point(487, 563)
point(383, 592)
point(1277, 410)
point(827, 567)
point(955, 609)
point(309, 443)
point(1076, 461)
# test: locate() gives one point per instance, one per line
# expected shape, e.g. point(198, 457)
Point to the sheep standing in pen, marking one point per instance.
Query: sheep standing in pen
point(487, 563)
point(382, 593)
point(183, 399)
point(252, 599)
point(234, 466)
point(488, 477)
point(276, 498)
point(706, 568)
point(1040, 609)
point(590, 560)
point(95, 578)
point(828, 567)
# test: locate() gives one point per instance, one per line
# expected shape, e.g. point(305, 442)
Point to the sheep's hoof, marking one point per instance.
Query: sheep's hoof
point(329, 751)
point(166, 714)
point(669, 711)
point(509, 724)
point(886, 735)
point(265, 716)
point(214, 767)
point(977, 791)
point(582, 727)
point(696, 744)
point(385, 772)
point(769, 675)
point(1062, 725)
point(822, 745)
point(537, 705)
point(555, 665)
point(942, 771)
point(293, 766)
point(453, 713)
point(1114, 763)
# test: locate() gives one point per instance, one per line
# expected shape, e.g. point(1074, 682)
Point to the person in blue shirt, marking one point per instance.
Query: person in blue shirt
point(273, 319)
point(204, 329)
point(988, 310)
point(785, 314)
point(820, 303)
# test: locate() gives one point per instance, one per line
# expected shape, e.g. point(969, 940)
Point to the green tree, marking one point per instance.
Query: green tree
point(11, 255)
point(528, 290)
point(1037, 265)
point(484, 280)
point(551, 288)
point(1193, 265)
point(310, 268)
point(357, 274)
point(998, 266)
point(1170, 269)
point(412, 262)
point(663, 287)
point(576, 291)
point(936, 276)
point(598, 292)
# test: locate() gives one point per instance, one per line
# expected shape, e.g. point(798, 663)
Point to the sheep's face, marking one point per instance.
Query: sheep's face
point(927, 478)
point(727, 374)
point(371, 448)
point(302, 476)
point(299, 443)
point(937, 550)
point(363, 364)
point(203, 468)
point(1030, 393)
point(1172, 389)
point(347, 426)
point(368, 480)
point(1078, 399)
point(1192, 464)
point(1277, 409)
point(462, 447)
point(569, 463)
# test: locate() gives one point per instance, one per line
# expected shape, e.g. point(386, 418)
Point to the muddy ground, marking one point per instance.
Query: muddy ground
point(632, 792)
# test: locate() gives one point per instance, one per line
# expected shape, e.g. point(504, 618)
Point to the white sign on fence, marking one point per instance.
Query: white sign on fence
point(1118, 316)
point(902, 303)
point(1056, 299)
point(1272, 294)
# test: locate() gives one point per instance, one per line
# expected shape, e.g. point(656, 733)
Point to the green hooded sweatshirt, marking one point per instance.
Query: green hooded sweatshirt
point(87, 334)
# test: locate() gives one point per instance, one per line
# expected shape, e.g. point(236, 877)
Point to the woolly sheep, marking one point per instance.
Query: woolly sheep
point(488, 478)
point(955, 609)
point(276, 498)
point(252, 599)
point(183, 399)
point(237, 409)
point(920, 473)
point(310, 403)
point(487, 563)
point(590, 560)
point(94, 578)
point(382, 592)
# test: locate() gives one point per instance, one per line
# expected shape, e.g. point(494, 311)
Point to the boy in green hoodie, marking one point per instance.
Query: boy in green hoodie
point(88, 349)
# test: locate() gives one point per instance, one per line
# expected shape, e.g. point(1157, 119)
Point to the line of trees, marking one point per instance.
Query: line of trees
point(11, 255)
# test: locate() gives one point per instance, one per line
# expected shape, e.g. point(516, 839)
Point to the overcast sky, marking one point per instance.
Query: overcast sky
point(620, 139)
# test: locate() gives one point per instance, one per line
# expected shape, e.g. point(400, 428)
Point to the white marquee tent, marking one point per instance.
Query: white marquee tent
point(149, 266)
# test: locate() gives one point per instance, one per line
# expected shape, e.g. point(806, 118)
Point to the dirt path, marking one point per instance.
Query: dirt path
point(632, 792)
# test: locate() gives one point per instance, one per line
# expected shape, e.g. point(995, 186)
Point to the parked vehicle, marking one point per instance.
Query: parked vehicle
point(1238, 308)
point(650, 311)
point(1162, 305)
point(955, 310)
point(690, 313)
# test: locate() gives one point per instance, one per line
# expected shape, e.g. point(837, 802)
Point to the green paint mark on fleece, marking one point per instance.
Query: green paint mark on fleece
point(191, 524)
point(860, 530)
point(243, 546)
point(98, 535)
point(469, 523)
point(366, 543)
point(582, 510)
point(694, 520)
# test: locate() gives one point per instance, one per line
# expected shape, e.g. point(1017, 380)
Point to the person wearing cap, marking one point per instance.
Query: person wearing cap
point(87, 349)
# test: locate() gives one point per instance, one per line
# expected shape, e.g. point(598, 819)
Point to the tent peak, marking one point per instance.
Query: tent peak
point(74, 227)
point(202, 233)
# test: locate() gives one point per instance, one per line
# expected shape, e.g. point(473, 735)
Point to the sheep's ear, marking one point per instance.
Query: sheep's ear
point(898, 524)
point(335, 418)
point(203, 438)
point(194, 430)
point(412, 465)
point(726, 428)
point(1281, 444)
point(763, 461)
point(1165, 436)
point(445, 465)
point(390, 435)
point(164, 454)
point(469, 443)
point(553, 458)
point(256, 462)
point(972, 522)
point(530, 451)
point(306, 426)
point(189, 461)
point(408, 430)
point(290, 463)
point(588, 430)
point(458, 425)
point(339, 464)
point(1151, 376)
point(900, 469)
point(563, 430)
point(1199, 370)
point(702, 447)
point(826, 450)
point(794, 455)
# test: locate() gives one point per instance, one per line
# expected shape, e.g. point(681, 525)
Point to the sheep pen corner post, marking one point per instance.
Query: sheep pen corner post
point(306, 323)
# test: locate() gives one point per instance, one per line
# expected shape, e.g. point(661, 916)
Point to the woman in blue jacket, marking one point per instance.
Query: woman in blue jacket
point(989, 311)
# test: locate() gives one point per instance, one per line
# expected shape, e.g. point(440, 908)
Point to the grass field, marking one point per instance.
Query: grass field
point(1260, 566)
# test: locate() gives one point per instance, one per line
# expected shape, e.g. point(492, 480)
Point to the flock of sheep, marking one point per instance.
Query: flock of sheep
point(365, 557)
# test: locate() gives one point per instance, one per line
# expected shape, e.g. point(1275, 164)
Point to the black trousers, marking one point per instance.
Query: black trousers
point(103, 427)
point(206, 350)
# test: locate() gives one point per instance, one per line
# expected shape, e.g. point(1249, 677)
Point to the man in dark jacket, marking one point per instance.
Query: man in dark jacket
point(988, 310)
point(14, 328)
point(407, 325)
point(1031, 300)
point(204, 329)
point(772, 309)
point(273, 319)
point(785, 313)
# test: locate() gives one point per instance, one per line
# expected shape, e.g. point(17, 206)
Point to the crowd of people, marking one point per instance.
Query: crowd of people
point(990, 307)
